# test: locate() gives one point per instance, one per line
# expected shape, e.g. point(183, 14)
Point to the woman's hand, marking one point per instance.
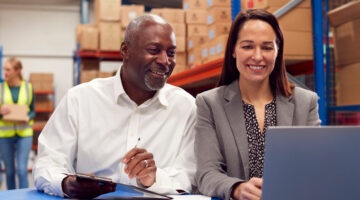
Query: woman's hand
point(250, 190)
point(5, 110)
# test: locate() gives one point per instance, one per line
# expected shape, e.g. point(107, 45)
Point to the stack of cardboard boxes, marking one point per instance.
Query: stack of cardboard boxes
point(43, 84)
point(201, 29)
point(105, 35)
point(208, 24)
point(345, 21)
point(176, 17)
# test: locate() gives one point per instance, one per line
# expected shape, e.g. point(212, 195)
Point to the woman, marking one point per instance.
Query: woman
point(253, 94)
point(15, 137)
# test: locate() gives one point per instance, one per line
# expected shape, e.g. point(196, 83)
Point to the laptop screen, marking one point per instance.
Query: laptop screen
point(312, 163)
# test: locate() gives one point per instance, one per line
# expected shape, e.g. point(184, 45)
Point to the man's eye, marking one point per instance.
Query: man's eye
point(171, 53)
point(153, 51)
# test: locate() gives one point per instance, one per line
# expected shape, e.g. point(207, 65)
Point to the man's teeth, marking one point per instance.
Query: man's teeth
point(159, 73)
point(255, 67)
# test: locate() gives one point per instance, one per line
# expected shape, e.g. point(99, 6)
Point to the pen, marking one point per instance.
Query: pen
point(137, 142)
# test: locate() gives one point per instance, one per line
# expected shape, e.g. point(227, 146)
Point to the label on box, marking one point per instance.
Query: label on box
point(211, 34)
point(190, 44)
point(204, 53)
point(210, 19)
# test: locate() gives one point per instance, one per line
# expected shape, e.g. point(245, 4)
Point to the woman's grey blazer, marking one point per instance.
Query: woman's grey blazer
point(221, 143)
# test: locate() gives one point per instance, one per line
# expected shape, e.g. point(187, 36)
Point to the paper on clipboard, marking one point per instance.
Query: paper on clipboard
point(18, 113)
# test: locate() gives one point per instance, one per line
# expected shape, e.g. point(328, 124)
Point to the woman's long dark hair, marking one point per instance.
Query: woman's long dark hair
point(279, 82)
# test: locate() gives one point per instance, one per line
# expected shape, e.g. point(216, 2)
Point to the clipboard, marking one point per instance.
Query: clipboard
point(123, 191)
point(128, 192)
point(18, 113)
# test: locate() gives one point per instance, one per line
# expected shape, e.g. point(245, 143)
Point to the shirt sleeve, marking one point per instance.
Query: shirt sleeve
point(56, 149)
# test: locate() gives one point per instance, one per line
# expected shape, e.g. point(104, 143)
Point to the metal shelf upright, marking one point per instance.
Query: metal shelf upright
point(319, 73)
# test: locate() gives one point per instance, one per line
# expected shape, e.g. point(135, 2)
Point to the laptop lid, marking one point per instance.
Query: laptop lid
point(312, 163)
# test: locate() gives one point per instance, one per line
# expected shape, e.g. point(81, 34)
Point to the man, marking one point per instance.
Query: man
point(96, 126)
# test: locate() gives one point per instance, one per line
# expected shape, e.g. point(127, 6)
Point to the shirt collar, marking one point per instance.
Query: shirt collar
point(159, 96)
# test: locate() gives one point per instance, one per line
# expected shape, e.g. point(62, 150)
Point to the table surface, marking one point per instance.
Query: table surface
point(33, 194)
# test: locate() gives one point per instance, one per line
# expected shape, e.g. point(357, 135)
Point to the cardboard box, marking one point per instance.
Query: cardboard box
point(195, 4)
point(344, 13)
point(224, 3)
point(195, 41)
point(181, 58)
point(110, 36)
point(346, 22)
point(88, 37)
point(102, 74)
point(204, 49)
point(218, 29)
point(194, 29)
point(179, 29)
point(108, 10)
point(298, 45)
point(90, 64)
point(44, 103)
point(347, 42)
point(194, 56)
point(180, 44)
point(42, 81)
point(217, 47)
point(349, 85)
point(130, 12)
point(218, 15)
point(265, 4)
point(172, 15)
point(18, 113)
point(88, 75)
point(302, 17)
point(196, 17)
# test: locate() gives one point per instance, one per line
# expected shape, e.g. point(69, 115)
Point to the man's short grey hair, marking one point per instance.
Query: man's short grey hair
point(131, 31)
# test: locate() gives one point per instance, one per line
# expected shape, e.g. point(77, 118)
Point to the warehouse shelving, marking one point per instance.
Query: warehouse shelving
point(203, 77)
point(43, 113)
point(100, 55)
point(184, 78)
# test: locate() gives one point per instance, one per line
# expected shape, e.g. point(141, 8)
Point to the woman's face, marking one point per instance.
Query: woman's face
point(255, 51)
point(9, 72)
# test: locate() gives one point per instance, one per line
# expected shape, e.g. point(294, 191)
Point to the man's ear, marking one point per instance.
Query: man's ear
point(124, 50)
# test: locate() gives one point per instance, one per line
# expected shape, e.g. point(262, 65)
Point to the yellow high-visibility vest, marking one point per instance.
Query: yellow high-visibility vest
point(10, 129)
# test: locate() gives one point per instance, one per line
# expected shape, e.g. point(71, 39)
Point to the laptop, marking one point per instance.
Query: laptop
point(320, 163)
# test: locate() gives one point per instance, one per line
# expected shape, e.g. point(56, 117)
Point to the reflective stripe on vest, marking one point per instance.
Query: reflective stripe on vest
point(10, 129)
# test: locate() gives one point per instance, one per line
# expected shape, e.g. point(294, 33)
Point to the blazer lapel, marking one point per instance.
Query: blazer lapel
point(235, 114)
point(284, 110)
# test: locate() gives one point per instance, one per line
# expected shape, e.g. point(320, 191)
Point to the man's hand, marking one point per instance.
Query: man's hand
point(250, 190)
point(81, 188)
point(141, 165)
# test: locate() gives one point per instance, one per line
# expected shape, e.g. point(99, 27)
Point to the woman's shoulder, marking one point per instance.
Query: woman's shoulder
point(299, 92)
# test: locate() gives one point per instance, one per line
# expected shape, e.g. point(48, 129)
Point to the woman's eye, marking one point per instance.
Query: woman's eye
point(247, 47)
point(267, 48)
